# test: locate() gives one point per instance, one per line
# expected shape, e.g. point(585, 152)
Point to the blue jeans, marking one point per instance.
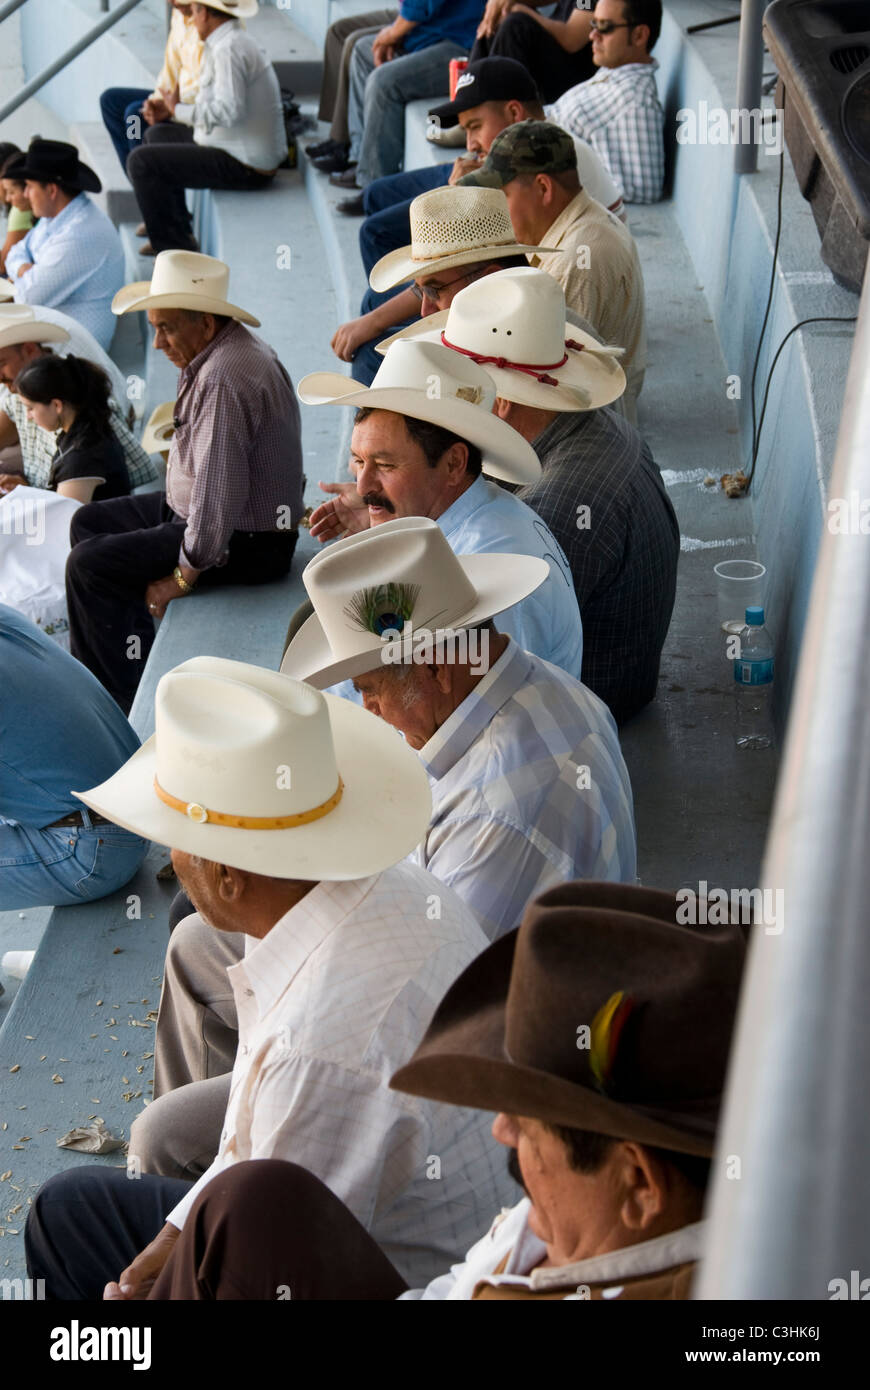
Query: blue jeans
point(117, 105)
point(386, 201)
point(377, 100)
point(66, 865)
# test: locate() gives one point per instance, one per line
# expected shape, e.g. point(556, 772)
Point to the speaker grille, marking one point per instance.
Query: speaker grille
point(850, 58)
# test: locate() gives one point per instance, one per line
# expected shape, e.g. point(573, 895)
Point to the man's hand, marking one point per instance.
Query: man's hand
point(139, 1278)
point(10, 480)
point(160, 594)
point(170, 99)
point(464, 164)
point(348, 338)
point(345, 514)
point(23, 269)
point(384, 46)
point(492, 17)
point(155, 110)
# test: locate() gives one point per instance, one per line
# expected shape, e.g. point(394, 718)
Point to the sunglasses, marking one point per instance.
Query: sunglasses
point(606, 26)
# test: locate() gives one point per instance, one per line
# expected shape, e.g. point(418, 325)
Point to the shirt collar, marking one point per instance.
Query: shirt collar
point(466, 503)
point(630, 70)
point(272, 963)
point(68, 213)
point(477, 711)
point(566, 219)
point(222, 336)
point(567, 424)
point(632, 1262)
point(220, 33)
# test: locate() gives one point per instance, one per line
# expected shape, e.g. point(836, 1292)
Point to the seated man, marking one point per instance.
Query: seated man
point(125, 109)
point(618, 110)
point(331, 155)
point(231, 136)
point(26, 335)
point(343, 968)
point(58, 730)
point(535, 163)
point(600, 491)
point(423, 439)
point(407, 60)
point(233, 494)
point(528, 783)
point(554, 48)
point(72, 260)
point(609, 1119)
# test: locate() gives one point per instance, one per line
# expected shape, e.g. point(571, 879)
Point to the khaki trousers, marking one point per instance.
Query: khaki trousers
point(178, 1134)
point(341, 39)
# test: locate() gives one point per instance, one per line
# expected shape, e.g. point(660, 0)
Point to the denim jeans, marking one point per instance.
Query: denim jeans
point(377, 99)
point(117, 105)
point(66, 865)
point(386, 201)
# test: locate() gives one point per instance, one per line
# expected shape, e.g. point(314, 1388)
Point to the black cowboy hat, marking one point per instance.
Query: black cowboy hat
point(53, 161)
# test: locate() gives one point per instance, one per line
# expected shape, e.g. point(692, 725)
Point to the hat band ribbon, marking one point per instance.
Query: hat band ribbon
point(201, 815)
point(418, 254)
point(538, 370)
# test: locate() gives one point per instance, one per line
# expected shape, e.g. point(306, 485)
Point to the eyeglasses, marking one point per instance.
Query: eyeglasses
point(432, 293)
point(606, 26)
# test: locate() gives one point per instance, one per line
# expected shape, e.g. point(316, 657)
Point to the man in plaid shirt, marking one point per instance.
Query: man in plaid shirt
point(618, 110)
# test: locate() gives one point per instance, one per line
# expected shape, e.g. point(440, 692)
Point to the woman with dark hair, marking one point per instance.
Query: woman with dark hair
point(71, 395)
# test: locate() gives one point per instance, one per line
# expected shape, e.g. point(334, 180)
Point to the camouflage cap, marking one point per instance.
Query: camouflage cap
point(528, 147)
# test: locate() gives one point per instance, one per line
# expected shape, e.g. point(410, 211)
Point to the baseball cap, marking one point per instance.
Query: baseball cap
point(489, 79)
point(528, 147)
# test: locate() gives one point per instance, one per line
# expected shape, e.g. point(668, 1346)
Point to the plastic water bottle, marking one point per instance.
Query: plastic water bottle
point(753, 681)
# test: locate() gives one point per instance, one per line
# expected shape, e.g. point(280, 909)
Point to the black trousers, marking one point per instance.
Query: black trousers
point(521, 37)
point(119, 548)
point(262, 1230)
point(164, 166)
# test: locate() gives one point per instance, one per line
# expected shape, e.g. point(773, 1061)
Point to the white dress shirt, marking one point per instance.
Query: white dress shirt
point(330, 1003)
point(238, 105)
point(529, 789)
point(509, 1235)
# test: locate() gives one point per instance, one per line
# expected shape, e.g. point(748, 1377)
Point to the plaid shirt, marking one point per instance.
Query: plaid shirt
point(529, 789)
point(235, 461)
point(623, 556)
point(618, 111)
point(39, 446)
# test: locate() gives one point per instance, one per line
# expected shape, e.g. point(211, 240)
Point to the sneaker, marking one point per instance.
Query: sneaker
point(346, 179)
point(351, 207)
point(323, 147)
point(334, 163)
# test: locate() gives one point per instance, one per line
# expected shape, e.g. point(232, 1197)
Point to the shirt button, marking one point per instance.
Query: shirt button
point(249, 992)
point(244, 1049)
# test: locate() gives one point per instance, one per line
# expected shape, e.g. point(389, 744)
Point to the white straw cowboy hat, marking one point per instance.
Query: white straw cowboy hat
point(429, 382)
point(157, 434)
point(250, 769)
point(183, 280)
point(239, 9)
point(19, 324)
point(453, 226)
point(513, 324)
point(7, 290)
point(400, 572)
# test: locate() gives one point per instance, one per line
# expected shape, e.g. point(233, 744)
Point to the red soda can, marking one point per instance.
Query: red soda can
point(457, 68)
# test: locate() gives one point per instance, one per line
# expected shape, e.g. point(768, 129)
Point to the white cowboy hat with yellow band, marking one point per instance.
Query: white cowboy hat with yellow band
point(183, 280)
point(451, 227)
point(429, 382)
point(513, 323)
point(251, 769)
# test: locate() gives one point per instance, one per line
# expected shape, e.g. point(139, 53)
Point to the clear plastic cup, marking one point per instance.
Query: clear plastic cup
point(739, 585)
point(17, 963)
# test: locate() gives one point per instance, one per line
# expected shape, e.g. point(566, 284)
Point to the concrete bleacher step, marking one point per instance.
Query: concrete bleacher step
point(95, 147)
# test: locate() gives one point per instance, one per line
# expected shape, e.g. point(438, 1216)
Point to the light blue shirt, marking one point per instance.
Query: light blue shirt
point(487, 518)
point(78, 266)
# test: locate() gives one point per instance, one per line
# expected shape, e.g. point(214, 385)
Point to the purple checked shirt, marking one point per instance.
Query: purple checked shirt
point(235, 462)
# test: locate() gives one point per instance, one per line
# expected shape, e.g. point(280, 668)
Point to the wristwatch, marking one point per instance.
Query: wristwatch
point(181, 581)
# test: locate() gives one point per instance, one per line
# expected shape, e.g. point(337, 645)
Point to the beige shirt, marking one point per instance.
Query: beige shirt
point(600, 273)
point(181, 60)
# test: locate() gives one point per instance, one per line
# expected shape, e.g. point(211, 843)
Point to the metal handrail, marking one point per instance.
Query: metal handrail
point(791, 1216)
point(10, 8)
point(30, 88)
point(750, 61)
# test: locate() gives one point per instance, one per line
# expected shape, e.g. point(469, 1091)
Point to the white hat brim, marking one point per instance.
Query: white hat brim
point(585, 382)
point(506, 454)
point(399, 265)
point(7, 290)
point(31, 331)
point(157, 434)
point(500, 582)
point(382, 816)
point(136, 296)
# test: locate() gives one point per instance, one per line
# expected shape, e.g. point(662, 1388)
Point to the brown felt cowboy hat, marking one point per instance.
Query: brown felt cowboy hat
point(602, 1012)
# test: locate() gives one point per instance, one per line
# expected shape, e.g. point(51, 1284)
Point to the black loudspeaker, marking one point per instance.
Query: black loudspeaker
point(822, 52)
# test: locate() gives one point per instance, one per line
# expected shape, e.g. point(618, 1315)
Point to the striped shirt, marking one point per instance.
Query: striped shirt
point(603, 498)
point(618, 111)
point(77, 265)
point(600, 273)
point(330, 1003)
point(529, 789)
point(235, 461)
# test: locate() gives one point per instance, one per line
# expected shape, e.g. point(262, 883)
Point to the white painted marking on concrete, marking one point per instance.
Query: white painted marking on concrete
point(671, 476)
point(808, 277)
point(690, 543)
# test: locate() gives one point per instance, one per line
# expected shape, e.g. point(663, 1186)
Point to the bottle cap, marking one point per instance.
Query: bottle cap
point(755, 617)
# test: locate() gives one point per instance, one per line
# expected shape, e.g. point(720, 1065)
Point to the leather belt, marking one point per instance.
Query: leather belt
point(76, 818)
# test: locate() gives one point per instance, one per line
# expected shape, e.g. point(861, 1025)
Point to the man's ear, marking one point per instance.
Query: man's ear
point(547, 187)
point(456, 458)
point(443, 676)
point(516, 111)
point(231, 882)
point(644, 1181)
